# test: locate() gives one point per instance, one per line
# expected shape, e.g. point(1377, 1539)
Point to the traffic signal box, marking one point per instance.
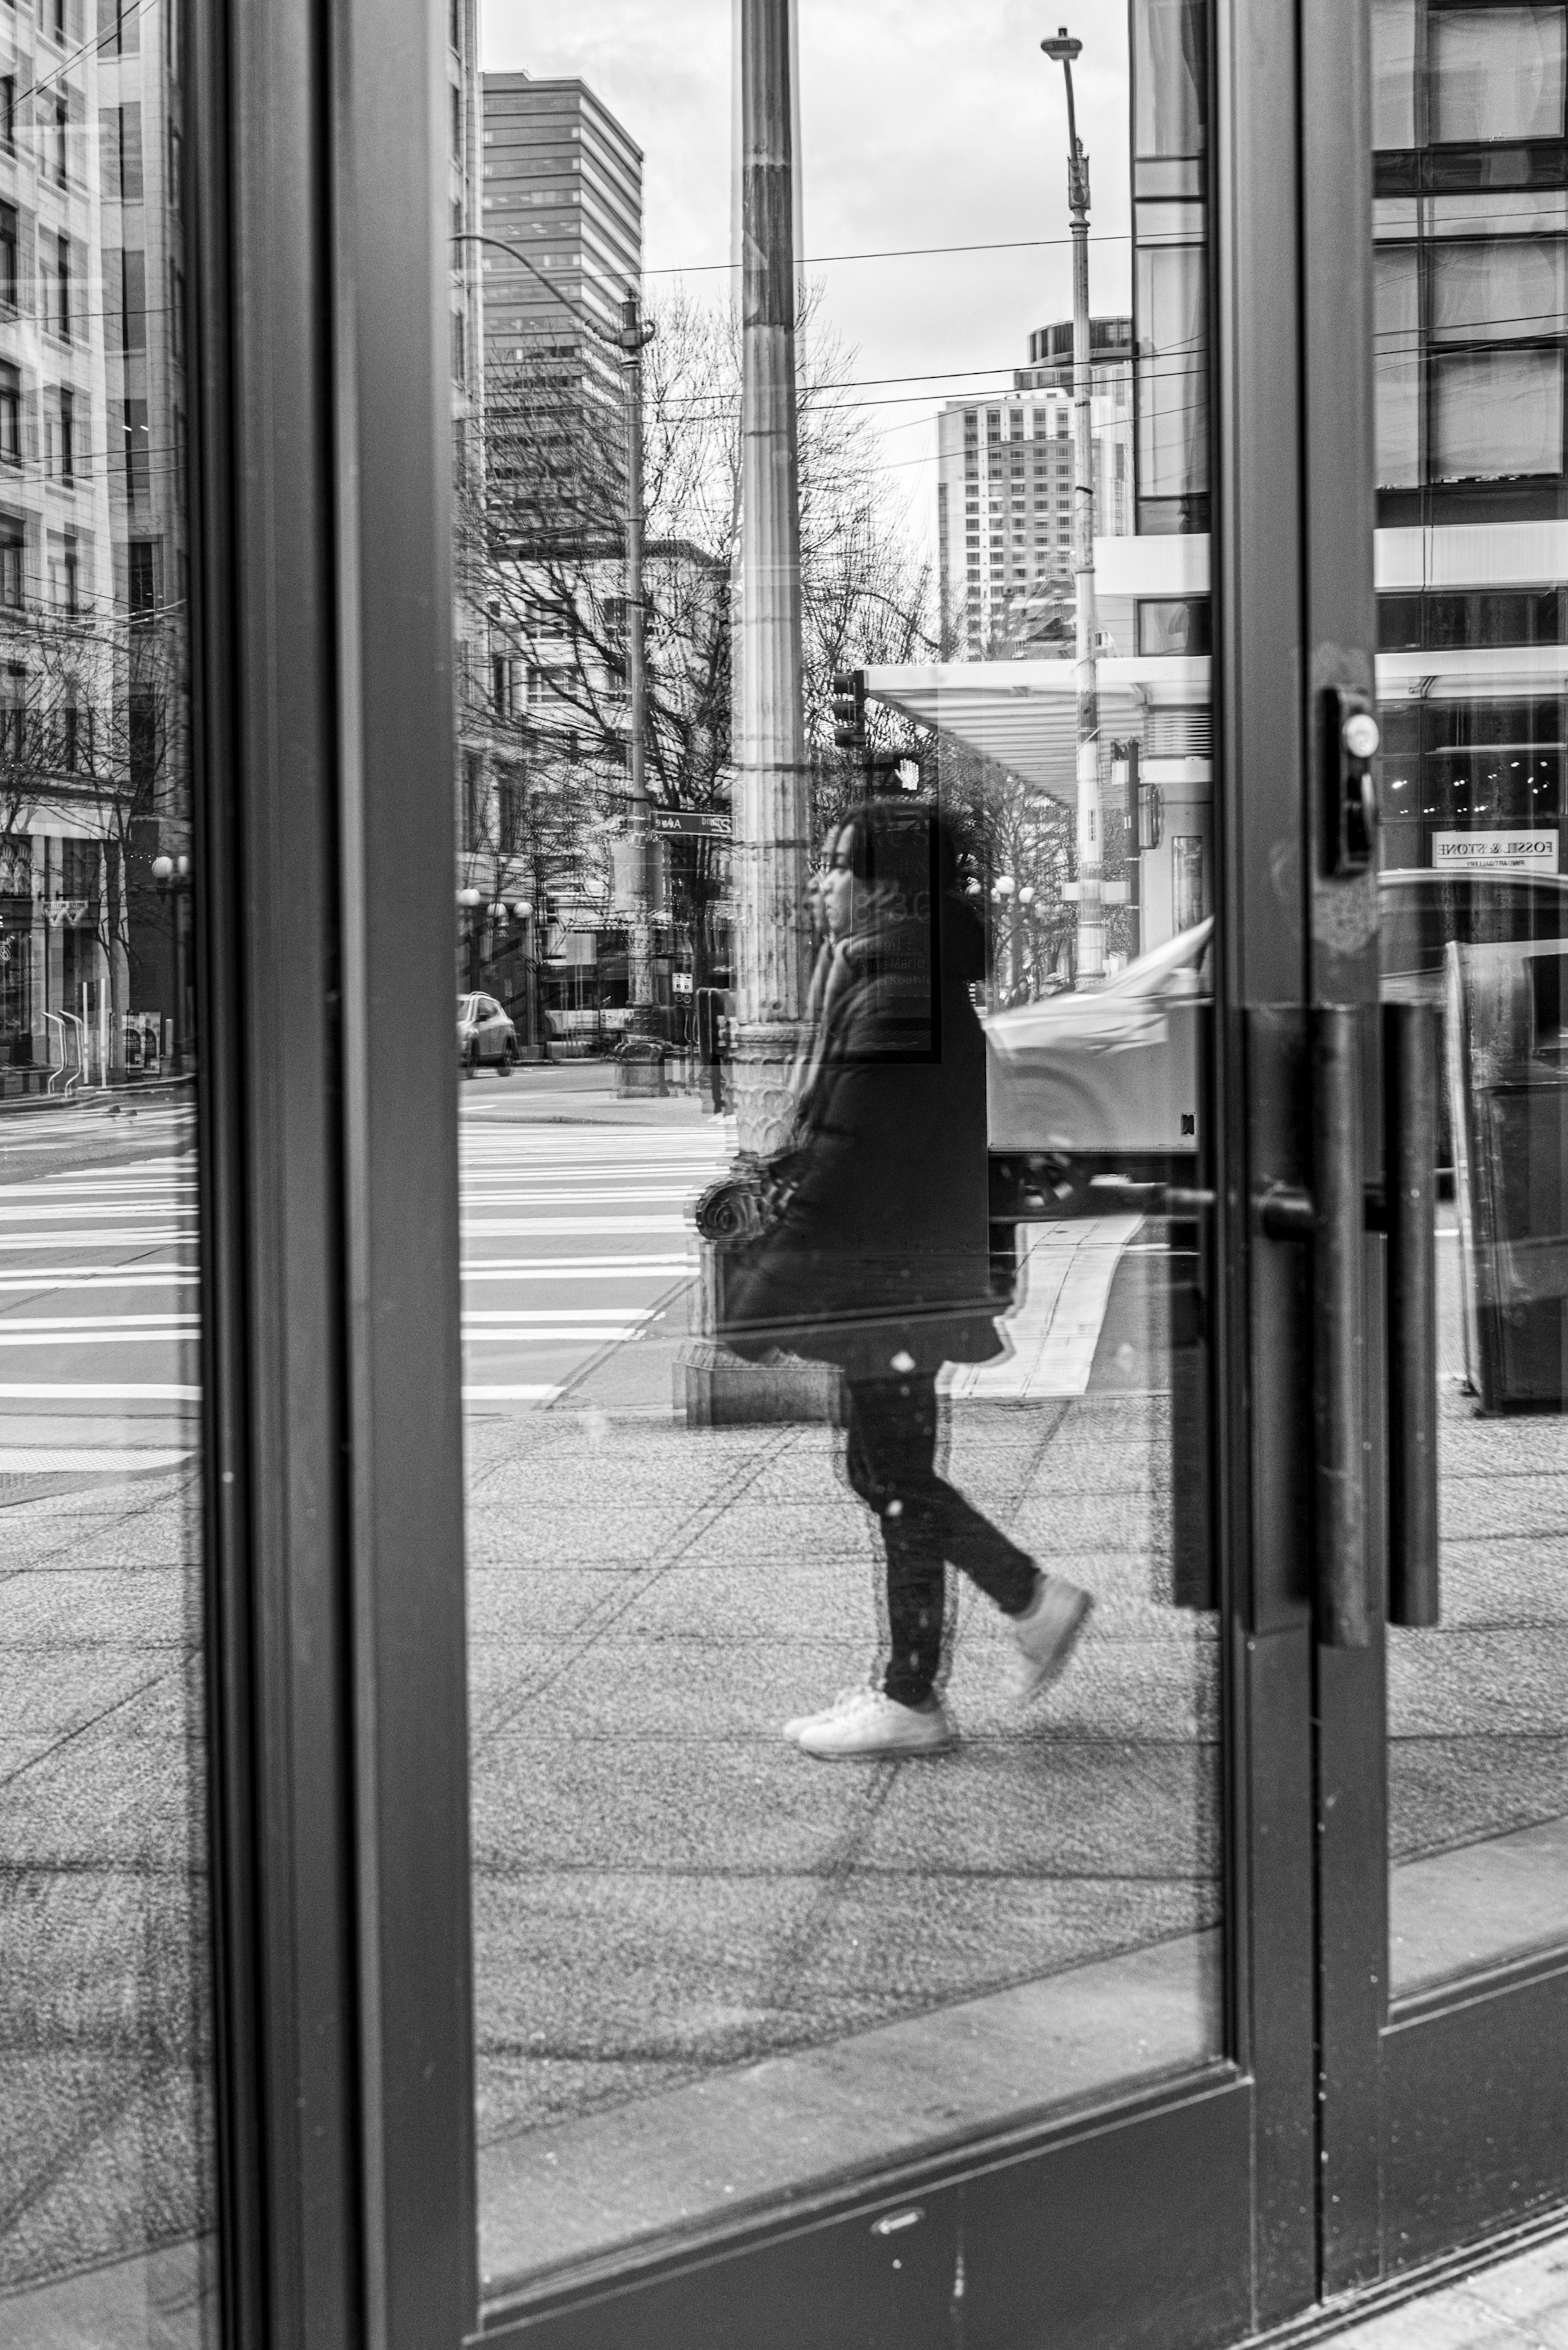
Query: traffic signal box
point(849, 710)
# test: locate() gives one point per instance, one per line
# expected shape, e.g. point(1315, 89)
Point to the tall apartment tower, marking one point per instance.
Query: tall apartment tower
point(1005, 496)
point(563, 184)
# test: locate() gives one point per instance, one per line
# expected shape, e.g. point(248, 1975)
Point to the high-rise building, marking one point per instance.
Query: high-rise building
point(1005, 496)
point(1110, 359)
point(562, 186)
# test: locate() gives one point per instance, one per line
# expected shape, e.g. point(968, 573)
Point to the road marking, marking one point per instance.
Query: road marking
point(49, 1276)
point(96, 1240)
point(100, 1322)
point(518, 1230)
point(57, 1338)
point(510, 1395)
point(69, 1390)
point(566, 1268)
point(93, 1460)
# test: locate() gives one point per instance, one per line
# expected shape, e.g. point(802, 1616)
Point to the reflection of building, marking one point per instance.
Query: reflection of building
point(1005, 466)
point(562, 182)
point(1471, 331)
point(1014, 593)
point(92, 550)
point(1110, 359)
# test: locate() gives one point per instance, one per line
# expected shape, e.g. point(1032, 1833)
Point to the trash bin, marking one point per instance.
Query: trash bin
point(1507, 1063)
point(639, 1067)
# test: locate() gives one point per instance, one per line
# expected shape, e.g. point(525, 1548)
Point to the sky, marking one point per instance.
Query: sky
point(920, 126)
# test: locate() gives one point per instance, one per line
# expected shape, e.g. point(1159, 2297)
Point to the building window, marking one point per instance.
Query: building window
point(71, 739)
point(8, 112)
point(10, 413)
point(9, 279)
point(63, 573)
point(1496, 414)
point(57, 16)
point(141, 579)
point(13, 714)
point(138, 467)
point(62, 319)
point(59, 143)
point(67, 468)
point(1173, 625)
point(12, 544)
point(1495, 73)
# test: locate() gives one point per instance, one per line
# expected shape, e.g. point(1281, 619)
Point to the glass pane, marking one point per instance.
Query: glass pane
point(829, 1327)
point(1397, 366)
point(105, 2186)
point(1496, 73)
point(1496, 413)
point(1473, 684)
point(1394, 72)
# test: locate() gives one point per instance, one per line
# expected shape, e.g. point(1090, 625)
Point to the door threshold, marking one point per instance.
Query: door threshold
point(1329, 2318)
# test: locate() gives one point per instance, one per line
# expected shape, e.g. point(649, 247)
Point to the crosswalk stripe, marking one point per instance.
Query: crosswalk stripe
point(94, 1391)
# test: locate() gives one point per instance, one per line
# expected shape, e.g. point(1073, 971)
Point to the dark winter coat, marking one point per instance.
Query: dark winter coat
point(881, 1260)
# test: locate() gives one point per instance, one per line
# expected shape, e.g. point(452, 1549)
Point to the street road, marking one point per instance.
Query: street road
point(573, 1234)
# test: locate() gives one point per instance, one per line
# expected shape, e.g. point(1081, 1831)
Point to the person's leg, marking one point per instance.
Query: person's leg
point(884, 1466)
point(936, 1517)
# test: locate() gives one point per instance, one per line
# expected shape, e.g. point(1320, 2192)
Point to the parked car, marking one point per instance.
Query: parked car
point(485, 1033)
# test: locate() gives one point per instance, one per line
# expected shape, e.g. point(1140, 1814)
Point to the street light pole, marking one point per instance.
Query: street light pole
point(634, 336)
point(1091, 847)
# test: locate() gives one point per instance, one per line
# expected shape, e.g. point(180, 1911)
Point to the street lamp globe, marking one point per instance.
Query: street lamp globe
point(469, 898)
point(163, 869)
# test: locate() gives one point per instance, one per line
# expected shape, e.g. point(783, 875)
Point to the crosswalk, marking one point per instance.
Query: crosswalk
point(572, 1238)
point(533, 1323)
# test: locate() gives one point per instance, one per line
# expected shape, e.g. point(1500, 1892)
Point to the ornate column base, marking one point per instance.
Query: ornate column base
point(714, 1388)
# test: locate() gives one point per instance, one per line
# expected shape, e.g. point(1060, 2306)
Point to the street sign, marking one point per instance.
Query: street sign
point(710, 823)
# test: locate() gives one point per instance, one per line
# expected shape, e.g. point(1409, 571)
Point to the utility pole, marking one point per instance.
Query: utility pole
point(770, 851)
point(1091, 828)
point(634, 338)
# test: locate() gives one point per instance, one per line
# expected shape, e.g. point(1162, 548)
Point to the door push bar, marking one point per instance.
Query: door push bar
point(1339, 1209)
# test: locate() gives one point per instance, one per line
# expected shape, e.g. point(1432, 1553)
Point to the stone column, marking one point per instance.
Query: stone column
point(771, 851)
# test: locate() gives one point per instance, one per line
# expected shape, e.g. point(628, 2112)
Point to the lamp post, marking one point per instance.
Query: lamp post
point(634, 338)
point(1091, 847)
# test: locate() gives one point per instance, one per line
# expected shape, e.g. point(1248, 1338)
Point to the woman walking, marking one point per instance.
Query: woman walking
point(880, 1261)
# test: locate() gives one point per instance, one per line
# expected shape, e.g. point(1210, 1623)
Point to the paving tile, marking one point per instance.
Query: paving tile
point(98, 2159)
point(1511, 1681)
point(65, 1608)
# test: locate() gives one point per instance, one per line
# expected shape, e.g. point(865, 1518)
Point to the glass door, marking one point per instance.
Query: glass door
point(883, 1744)
point(1467, 2011)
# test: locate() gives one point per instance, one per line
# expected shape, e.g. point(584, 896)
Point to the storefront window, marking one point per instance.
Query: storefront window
point(105, 2188)
point(844, 1670)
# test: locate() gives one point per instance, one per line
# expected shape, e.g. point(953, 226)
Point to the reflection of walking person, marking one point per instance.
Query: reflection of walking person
point(879, 1261)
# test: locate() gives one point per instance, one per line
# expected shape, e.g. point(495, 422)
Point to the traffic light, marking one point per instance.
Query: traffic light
point(849, 710)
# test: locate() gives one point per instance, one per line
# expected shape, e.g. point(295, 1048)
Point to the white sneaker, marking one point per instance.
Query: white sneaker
point(878, 1725)
point(1048, 1634)
point(842, 1703)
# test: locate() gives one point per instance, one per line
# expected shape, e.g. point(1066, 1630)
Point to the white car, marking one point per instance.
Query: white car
point(485, 1033)
point(1108, 1080)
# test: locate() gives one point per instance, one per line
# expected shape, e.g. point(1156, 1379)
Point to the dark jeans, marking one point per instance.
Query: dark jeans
point(891, 1463)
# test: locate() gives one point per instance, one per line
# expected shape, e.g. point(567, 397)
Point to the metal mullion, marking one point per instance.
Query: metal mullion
point(1258, 570)
point(392, 403)
point(335, 1531)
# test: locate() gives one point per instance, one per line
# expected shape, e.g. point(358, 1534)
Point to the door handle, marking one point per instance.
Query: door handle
point(1410, 1081)
point(1340, 1606)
